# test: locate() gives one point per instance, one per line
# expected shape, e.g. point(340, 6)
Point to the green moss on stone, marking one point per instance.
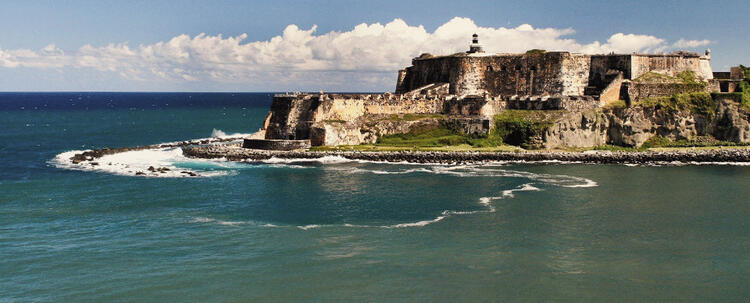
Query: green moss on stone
point(521, 127)
point(535, 51)
point(700, 102)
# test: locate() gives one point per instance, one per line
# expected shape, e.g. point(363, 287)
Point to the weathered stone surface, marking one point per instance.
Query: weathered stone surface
point(634, 126)
point(577, 129)
point(471, 88)
point(271, 144)
point(635, 91)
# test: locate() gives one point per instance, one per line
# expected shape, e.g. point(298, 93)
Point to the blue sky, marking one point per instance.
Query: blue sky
point(355, 45)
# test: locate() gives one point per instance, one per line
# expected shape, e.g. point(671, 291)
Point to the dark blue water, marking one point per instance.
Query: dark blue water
point(337, 230)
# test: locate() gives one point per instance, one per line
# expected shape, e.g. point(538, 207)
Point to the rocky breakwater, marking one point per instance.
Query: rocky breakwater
point(91, 155)
point(234, 153)
point(90, 159)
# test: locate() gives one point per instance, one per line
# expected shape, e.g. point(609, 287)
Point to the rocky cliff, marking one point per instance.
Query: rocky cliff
point(633, 126)
point(332, 120)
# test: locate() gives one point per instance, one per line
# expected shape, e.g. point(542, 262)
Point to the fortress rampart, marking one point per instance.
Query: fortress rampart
point(468, 89)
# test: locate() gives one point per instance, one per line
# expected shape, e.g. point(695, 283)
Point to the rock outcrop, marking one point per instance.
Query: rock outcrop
point(635, 125)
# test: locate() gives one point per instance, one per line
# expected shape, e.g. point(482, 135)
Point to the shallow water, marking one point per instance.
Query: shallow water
point(338, 230)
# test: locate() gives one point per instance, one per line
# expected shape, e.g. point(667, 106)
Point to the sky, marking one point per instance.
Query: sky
point(246, 46)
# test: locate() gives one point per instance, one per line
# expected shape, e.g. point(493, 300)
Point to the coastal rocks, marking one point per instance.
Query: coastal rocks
point(577, 129)
point(648, 157)
point(87, 160)
point(271, 144)
point(340, 133)
point(635, 125)
point(98, 153)
point(159, 170)
point(732, 124)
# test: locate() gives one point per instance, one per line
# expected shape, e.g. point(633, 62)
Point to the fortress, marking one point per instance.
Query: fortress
point(466, 90)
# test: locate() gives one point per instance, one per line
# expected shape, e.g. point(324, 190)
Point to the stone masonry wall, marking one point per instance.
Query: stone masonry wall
point(601, 65)
point(552, 73)
point(667, 64)
point(575, 74)
point(524, 75)
point(427, 70)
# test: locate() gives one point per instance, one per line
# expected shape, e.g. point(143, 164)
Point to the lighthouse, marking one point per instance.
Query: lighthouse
point(475, 47)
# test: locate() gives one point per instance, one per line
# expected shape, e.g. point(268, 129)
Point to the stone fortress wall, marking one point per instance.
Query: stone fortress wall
point(540, 74)
point(470, 88)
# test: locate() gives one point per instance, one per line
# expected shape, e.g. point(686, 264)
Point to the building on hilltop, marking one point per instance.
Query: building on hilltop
point(540, 74)
point(468, 90)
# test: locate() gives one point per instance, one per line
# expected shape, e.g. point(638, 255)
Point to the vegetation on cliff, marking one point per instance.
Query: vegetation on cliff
point(424, 136)
point(702, 141)
point(742, 96)
point(535, 51)
point(523, 127)
point(699, 102)
point(685, 77)
point(512, 127)
point(443, 134)
point(745, 88)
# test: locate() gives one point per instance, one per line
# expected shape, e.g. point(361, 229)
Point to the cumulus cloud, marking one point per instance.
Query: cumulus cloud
point(368, 53)
point(682, 43)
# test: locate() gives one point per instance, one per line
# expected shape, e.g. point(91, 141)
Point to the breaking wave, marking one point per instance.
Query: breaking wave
point(485, 202)
point(167, 162)
point(164, 163)
point(170, 162)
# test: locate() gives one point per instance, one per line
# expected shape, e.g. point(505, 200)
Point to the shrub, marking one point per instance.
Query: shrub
point(535, 51)
point(701, 103)
point(656, 141)
point(520, 127)
point(424, 136)
point(688, 77)
point(616, 104)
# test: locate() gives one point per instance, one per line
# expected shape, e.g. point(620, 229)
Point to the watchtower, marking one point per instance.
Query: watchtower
point(475, 47)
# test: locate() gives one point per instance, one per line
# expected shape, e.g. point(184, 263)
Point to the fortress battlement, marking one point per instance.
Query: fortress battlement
point(468, 89)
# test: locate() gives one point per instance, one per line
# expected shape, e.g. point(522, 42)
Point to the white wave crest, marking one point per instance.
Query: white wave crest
point(417, 224)
point(147, 163)
point(217, 133)
point(473, 171)
point(322, 160)
point(486, 202)
point(526, 187)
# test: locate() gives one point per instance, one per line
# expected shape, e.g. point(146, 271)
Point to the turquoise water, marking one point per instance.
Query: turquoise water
point(336, 230)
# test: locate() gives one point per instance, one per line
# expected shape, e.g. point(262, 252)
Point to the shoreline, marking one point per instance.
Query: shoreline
point(232, 152)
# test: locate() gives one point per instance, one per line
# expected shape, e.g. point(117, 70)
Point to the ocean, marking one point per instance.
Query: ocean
point(340, 230)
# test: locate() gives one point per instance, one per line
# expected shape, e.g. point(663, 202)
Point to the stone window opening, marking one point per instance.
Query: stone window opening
point(489, 68)
point(518, 67)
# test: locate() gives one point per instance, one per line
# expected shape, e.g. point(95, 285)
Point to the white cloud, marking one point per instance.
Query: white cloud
point(368, 53)
point(682, 43)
